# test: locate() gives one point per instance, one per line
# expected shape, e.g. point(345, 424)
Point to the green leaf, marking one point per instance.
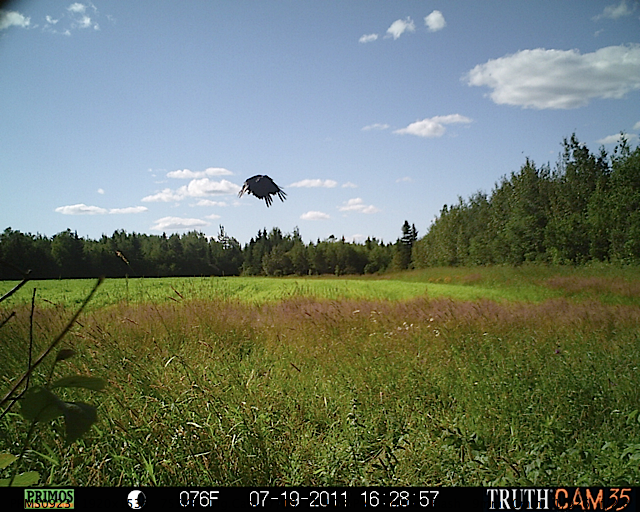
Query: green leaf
point(633, 450)
point(6, 459)
point(22, 480)
point(40, 404)
point(65, 353)
point(80, 381)
point(78, 418)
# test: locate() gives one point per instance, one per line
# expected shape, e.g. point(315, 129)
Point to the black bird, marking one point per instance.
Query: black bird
point(262, 187)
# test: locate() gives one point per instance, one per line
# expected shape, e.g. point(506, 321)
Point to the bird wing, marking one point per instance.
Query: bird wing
point(249, 185)
point(263, 187)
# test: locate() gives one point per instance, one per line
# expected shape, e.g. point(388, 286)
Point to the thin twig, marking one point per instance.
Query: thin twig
point(13, 313)
point(33, 307)
point(25, 279)
point(53, 344)
point(14, 289)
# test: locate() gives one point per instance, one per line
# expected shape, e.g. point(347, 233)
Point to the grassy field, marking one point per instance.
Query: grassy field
point(484, 376)
point(527, 283)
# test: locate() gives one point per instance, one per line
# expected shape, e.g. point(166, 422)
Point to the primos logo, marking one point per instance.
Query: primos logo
point(48, 498)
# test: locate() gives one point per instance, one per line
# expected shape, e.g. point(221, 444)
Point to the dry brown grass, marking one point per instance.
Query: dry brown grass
point(595, 285)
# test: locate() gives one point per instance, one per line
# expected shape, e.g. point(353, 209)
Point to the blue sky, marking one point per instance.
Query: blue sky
point(149, 115)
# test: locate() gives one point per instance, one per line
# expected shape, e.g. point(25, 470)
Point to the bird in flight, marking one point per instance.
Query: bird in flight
point(262, 187)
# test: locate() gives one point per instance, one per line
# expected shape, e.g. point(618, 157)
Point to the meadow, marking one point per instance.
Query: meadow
point(521, 376)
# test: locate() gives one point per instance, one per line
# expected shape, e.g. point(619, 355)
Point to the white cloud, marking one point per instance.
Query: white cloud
point(187, 174)
point(609, 139)
point(165, 196)
point(315, 183)
point(614, 139)
point(213, 216)
point(435, 21)
point(217, 171)
point(357, 205)
point(77, 8)
point(376, 126)
point(406, 179)
point(348, 184)
point(130, 209)
point(559, 79)
point(314, 215)
point(209, 202)
point(616, 11)
point(399, 27)
point(173, 223)
point(101, 191)
point(84, 22)
point(636, 126)
point(205, 187)
point(368, 38)
point(81, 209)
point(77, 16)
point(13, 19)
point(433, 127)
point(201, 187)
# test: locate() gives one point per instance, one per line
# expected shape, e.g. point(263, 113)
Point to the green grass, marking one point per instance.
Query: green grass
point(528, 283)
point(533, 283)
point(293, 382)
point(254, 290)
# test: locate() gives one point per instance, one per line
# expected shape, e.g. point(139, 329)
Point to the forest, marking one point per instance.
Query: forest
point(66, 255)
point(587, 208)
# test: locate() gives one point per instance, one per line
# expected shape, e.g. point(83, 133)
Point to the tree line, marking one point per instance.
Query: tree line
point(586, 209)
point(66, 255)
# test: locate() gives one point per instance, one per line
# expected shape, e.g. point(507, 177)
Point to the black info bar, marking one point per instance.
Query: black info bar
point(609, 499)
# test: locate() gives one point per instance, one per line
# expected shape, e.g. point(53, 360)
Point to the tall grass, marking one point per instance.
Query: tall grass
point(306, 391)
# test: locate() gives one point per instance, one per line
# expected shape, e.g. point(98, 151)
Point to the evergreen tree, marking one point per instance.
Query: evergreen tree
point(67, 250)
point(402, 257)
